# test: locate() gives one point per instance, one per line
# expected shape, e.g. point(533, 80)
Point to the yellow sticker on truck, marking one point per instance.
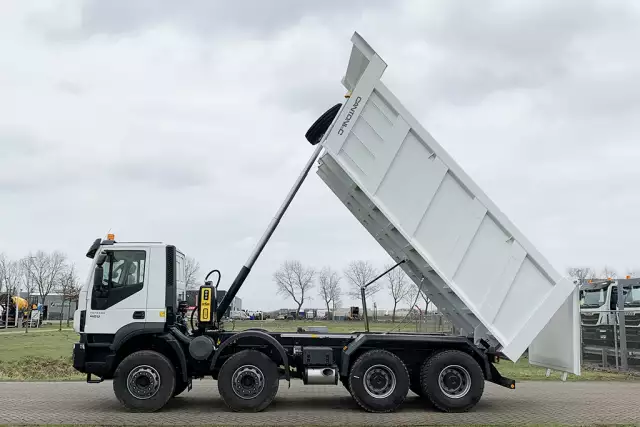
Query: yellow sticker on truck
point(205, 305)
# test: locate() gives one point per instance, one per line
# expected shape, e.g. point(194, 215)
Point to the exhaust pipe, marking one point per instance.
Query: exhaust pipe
point(321, 376)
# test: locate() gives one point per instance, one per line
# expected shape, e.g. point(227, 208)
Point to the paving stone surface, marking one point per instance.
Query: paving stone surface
point(532, 402)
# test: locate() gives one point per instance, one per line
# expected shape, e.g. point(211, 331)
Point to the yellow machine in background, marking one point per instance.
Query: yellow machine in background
point(21, 306)
point(20, 303)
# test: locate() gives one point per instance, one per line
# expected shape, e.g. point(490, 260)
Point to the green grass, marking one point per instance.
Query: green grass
point(44, 327)
point(46, 355)
point(342, 327)
point(42, 355)
point(319, 425)
point(52, 344)
point(522, 371)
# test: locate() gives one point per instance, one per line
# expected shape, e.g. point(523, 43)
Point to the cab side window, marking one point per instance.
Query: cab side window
point(127, 268)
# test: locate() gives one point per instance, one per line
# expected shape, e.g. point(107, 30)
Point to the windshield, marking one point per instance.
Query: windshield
point(632, 299)
point(593, 298)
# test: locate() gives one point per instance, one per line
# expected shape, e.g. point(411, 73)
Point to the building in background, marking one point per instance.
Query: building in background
point(52, 308)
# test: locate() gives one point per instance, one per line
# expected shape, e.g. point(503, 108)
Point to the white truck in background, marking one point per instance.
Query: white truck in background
point(432, 220)
point(599, 301)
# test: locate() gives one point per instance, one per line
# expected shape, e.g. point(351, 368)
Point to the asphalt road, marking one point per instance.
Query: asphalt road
point(533, 402)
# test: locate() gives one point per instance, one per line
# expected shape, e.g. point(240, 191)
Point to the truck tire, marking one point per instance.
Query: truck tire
point(248, 381)
point(144, 381)
point(452, 381)
point(379, 381)
point(321, 125)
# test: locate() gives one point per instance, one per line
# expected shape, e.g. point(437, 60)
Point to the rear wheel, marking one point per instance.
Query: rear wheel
point(452, 380)
point(379, 381)
point(248, 381)
point(144, 381)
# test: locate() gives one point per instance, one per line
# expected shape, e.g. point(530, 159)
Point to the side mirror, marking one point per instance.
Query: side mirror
point(97, 278)
point(101, 259)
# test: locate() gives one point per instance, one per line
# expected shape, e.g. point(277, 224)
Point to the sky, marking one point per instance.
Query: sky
point(185, 124)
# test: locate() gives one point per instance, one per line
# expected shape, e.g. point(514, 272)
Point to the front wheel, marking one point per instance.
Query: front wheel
point(248, 381)
point(144, 381)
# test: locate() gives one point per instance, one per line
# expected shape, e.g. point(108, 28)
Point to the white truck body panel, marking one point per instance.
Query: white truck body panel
point(461, 250)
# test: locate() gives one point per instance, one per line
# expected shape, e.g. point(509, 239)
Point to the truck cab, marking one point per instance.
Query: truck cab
point(132, 288)
point(599, 302)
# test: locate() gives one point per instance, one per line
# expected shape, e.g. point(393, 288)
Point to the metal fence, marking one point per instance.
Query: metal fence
point(607, 343)
point(434, 323)
point(604, 342)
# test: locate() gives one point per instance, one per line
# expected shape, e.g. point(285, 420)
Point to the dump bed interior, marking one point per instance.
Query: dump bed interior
point(461, 250)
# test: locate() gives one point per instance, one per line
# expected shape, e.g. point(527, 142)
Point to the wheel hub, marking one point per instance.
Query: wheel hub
point(379, 381)
point(454, 381)
point(247, 382)
point(143, 382)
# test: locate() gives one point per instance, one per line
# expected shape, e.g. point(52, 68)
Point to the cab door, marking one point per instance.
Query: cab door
point(123, 299)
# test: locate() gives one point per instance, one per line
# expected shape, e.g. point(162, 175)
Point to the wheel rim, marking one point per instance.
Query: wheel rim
point(454, 381)
point(379, 381)
point(143, 382)
point(247, 381)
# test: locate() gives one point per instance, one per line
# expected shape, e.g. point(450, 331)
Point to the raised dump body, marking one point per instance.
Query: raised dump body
point(462, 251)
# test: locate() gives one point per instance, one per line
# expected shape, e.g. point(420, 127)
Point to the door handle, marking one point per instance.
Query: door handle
point(138, 314)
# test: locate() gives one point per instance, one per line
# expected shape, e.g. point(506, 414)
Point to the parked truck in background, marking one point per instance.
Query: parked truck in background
point(418, 204)
point(599, 301)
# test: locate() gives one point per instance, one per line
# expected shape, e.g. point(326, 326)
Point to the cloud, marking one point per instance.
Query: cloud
point(186, 124)
point(210, 19)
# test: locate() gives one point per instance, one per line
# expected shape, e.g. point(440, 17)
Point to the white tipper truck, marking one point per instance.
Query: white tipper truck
point(432, 220)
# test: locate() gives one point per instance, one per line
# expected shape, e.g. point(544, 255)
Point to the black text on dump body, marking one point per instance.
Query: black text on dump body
point(350, 114)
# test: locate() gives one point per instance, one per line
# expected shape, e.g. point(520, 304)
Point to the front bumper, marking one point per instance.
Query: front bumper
point(79, 357)
point(92, 359)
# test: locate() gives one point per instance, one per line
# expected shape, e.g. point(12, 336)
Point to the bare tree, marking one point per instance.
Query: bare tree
point(608, 272)
point(426, 302)
point(73, 296)
point(358, 274)
point(67, 283)
point(398, 287)
point(3, 262)
point(191, 270)
point(581, 274)
point(46, 270)
point(9, 281)
point(411, 297)
point(329, 290)
point(29, 284)
point(294, 280)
